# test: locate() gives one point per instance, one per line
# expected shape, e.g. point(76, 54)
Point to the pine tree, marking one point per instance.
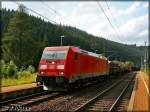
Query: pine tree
point(45, 40)
point(18, 44)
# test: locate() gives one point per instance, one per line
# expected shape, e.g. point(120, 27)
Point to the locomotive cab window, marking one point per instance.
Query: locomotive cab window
point(54, 55)
point(75, 56)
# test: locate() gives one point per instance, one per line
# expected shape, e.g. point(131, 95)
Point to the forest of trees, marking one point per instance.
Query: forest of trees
point(25, 36)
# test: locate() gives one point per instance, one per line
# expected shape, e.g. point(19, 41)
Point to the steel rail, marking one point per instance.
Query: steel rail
point(22, 97)
point(84, 105)
point(120, 96)
point(30, 101)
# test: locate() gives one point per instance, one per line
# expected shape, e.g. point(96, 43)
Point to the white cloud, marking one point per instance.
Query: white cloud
point(143, 33)
point(127, 11)
point(136, 30)
point(134, 25)
point(145, 5)
point(9, 5)
point(85, 8)
point(132, 8)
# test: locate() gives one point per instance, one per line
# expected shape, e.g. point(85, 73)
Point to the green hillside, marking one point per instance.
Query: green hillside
point(24, 37)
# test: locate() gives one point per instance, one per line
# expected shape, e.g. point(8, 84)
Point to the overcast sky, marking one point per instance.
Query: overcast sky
point(130, 19)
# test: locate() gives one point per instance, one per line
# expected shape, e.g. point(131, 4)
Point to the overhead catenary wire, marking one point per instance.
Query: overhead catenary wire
point(115, 20)
point(110, 12)
point(37, 13)
point(57, 13)
point(99, 5)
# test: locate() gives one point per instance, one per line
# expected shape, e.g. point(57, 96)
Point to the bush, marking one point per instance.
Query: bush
point(25, 72)
point(3, 68)
point(11, 75)
point(31, 69)
point(8, 69)
point(12, 69)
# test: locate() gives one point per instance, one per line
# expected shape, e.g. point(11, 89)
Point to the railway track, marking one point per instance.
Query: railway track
point(21, 103)
point(124, 102)
point(72, 101)
point(23, 97)
point(108, 99)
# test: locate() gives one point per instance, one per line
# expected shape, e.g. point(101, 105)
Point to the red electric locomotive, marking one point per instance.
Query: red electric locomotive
point(62, 67)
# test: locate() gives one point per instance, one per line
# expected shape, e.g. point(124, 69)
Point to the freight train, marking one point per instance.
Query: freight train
point(65, 67)
point(118, 67)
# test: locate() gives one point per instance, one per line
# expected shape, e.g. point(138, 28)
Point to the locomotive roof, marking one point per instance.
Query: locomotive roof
point(57, 48)
point(74, 48)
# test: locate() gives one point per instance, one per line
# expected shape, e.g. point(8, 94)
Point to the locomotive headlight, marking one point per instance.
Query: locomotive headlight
point(53, 62)
point(43, 67)
point(61, 73)
point(42, 73)
point(60, 66)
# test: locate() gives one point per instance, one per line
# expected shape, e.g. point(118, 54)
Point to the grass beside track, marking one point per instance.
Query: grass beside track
point(30, 78)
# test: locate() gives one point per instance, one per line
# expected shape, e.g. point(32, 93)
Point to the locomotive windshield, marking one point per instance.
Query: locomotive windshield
point(54, 55)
